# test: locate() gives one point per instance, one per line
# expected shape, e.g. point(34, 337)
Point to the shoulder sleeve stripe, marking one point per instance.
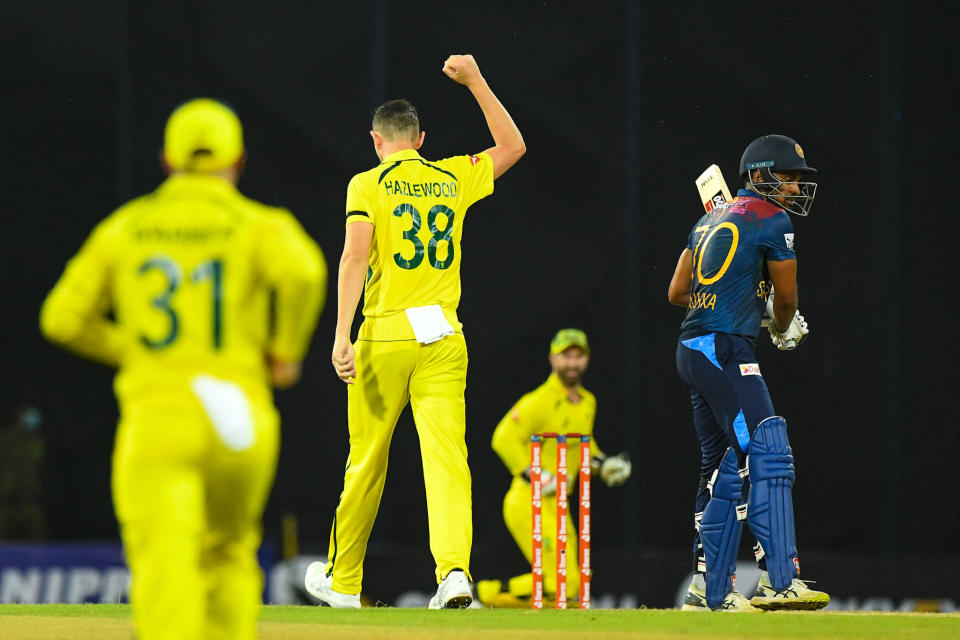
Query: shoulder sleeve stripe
point(388, 170)
point(432, 166)
point(358, 213)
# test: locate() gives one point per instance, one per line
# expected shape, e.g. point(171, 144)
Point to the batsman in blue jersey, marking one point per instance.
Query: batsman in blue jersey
point(735, 256)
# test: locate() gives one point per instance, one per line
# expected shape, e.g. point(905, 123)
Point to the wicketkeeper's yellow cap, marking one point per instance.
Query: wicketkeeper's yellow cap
point(202, 135)
point(566, 338)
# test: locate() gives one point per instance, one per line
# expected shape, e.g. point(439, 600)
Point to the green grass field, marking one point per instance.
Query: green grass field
point(109, 622)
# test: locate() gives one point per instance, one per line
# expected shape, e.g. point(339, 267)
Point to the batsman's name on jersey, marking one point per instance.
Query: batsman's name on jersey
point(702, 300)
point(707, 300)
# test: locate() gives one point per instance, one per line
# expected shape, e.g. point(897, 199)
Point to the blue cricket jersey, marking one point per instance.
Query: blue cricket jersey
point(730, 246)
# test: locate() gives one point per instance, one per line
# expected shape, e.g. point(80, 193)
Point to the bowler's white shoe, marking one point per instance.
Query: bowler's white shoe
point(319, 585)
point(453, 593)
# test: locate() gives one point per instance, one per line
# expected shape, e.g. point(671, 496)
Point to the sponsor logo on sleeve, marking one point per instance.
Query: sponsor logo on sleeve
point(474, 160)
point(750, 369)
point(788, 238)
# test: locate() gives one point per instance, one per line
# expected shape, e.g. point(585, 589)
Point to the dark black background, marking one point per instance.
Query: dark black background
point(621, 106)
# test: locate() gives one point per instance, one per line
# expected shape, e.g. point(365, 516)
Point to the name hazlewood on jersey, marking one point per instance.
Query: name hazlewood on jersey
point(421, 190)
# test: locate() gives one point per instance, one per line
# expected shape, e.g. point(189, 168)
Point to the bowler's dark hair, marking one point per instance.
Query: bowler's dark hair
point(397, 119)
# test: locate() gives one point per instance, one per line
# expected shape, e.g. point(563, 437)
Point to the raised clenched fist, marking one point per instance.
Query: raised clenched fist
point(462, 69)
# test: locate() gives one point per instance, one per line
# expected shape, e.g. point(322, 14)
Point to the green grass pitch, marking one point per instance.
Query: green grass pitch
point(106, 622)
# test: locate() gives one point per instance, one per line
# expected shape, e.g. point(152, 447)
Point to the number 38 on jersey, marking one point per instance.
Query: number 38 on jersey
point(440, 246)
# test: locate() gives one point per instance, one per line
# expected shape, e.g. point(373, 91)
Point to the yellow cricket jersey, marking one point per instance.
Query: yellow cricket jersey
point(417, 208)
point(198, 278)
point(546, 409)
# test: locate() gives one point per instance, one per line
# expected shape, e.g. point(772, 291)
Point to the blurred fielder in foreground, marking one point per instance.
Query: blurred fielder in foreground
point(734, 254)
point(559, 405)
point(187, 273)
point(402, 250)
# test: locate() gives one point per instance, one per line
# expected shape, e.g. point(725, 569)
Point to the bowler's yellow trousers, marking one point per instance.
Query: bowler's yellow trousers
point(190, 513)
point(432, 378)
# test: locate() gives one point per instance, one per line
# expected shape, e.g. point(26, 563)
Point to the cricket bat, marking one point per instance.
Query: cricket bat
point(713, 190)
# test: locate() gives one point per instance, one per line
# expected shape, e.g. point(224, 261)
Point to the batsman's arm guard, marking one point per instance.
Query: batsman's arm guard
point(770, 504)
point(720, 528)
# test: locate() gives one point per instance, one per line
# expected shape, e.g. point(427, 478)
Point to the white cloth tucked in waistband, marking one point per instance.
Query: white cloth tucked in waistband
point(428, 323)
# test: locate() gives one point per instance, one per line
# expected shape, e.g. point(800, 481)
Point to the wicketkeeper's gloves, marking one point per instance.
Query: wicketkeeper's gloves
point(548, 482)
point(613, 470)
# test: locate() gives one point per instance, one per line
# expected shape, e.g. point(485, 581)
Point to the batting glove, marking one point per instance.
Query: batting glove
point(793, 336)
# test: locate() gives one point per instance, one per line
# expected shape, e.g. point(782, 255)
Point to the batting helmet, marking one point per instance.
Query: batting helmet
point(202, 135)
point(776, 153)
point(780, 154)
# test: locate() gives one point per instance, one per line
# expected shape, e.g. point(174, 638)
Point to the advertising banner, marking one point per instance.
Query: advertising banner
point(63, 572)
point(73, 573)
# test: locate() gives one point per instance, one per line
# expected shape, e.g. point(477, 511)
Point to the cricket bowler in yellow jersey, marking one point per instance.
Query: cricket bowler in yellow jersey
point(559, 405)
point(402, 250)
point(188, 272)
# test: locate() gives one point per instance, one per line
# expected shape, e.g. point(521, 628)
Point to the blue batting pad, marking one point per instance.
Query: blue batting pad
point(706, 346)
point(770, 504)
point(720, 530)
